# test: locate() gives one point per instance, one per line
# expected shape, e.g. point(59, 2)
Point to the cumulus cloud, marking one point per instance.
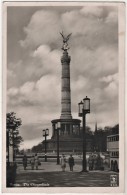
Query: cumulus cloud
point(12, 91)
point(33, 92)
point(92, 11)
point(110, 78)
point(94, 63)
point(112, 18)
point(50, 59)
point(27, 88)
point(112, 89)
point(10, 73)
point(79, 22)
point(13, 73)
point(42, 28)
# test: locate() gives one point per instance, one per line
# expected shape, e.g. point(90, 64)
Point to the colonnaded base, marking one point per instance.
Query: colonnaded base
point(70, 137)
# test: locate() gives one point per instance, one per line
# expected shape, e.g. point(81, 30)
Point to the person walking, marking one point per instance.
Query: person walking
point(95, 162)
point(90, 162)
point(63, 162)
point(32, 162)
point(36, 161)
point(24, 161)
point(71, 162)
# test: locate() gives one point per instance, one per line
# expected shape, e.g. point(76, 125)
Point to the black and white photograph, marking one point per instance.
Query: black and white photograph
point(63, 74)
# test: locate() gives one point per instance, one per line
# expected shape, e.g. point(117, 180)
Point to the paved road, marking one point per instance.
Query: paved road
point(50, 174)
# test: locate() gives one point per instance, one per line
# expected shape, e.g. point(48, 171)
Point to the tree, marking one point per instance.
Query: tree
point(115, 129)
point(13, 124)
point(100, 137)
point(37, 148)
point(89, 132)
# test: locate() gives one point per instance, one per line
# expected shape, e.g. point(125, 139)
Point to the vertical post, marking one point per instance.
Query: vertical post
point(45, 148)
point(13, 147)
point(53, 129)
point(7, 141)
point(11, 144)
point(58, 160)
point(84, 108)
point(84, 141)
point(45, 134)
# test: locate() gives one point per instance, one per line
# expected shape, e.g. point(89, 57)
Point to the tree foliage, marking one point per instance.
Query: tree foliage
point(37, 148)
point(13, 124)
point(100, 137)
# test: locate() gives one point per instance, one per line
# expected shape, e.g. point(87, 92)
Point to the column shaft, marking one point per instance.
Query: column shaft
point(65, 88)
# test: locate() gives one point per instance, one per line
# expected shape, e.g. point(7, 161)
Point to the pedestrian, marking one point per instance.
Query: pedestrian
point(71, 162)
point(24, 161)
point(63, 162)
point(36, 161)
point(99, 162)
point(32, 162)
point(95, 162)
point(90, 162)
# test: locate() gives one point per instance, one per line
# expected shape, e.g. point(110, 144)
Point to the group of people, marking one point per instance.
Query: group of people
point(63, 162)
point(95, 162)
point(34, 161)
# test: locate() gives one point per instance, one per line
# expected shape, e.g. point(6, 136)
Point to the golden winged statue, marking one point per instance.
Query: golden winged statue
point(65, 41)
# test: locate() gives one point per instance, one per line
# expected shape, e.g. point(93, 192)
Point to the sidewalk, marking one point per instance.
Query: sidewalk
point(48, 167)
point(50, 174)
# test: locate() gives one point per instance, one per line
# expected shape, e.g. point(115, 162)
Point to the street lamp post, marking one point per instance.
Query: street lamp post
point(84, 108)
point(11, 147)
point(14, 145)
point(45, 134)
point(7, 146)
point(58, 128)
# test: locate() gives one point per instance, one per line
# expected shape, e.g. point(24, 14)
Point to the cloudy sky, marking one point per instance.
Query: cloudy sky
point(34, 67)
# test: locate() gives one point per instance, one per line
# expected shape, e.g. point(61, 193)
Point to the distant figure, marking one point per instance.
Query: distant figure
point(90, 162)
point(95, 162)
point(24, 161)
point(63, 162)
point(99, 162)
point(71, 162)
point(36, 161)
point(32, 162)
